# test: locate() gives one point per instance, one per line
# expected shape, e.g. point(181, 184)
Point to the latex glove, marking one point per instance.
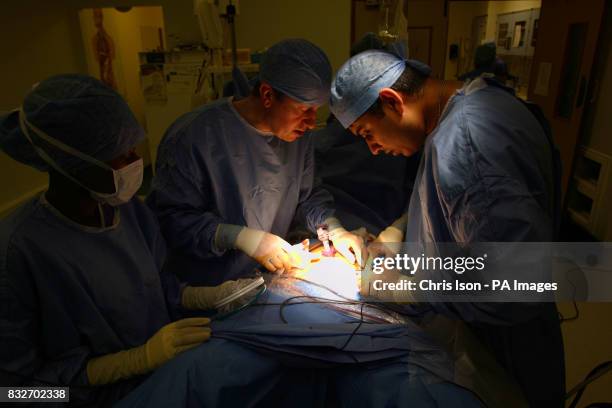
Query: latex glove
point(349, 245)
point(205, 298)
point(270, 250)
point(169, 341)
point(364, 234)
point(388, 241)
point(301, 253)
point(395, 231)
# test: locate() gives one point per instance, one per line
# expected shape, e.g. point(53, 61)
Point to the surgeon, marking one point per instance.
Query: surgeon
point(233, 175)
point(84, 300)
point(489, 172)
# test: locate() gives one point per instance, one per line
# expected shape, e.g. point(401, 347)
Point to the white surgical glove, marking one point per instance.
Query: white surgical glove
point(388, 241)
point(207, 297)
point(349, 245)
point(270, 250)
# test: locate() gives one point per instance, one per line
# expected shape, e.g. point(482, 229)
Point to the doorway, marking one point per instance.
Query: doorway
point(511, 26)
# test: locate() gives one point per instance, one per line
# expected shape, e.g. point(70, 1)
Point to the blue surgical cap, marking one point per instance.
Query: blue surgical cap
point(359, 81)
point(80, 112)
point(299, 69)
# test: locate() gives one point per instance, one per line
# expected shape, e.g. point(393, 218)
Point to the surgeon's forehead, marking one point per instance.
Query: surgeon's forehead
point(300, 105)
point(359, 124)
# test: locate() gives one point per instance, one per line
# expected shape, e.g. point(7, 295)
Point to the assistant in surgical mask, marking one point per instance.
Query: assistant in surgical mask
point(127, 180)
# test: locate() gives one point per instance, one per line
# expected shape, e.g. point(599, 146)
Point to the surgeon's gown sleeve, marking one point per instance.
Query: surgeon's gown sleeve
point(488, 174)
point(68, 295)
point(183, 197)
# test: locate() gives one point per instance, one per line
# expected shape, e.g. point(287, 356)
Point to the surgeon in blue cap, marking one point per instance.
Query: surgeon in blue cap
point(84, 300)
point(489, 172)
point(369, 191)
point(233, 175)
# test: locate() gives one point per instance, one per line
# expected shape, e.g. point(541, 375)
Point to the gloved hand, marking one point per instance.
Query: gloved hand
point(271, 251)
point(395, 231)
point(345, 242)
point(169, 341)
point(363, 232)
point(204, 298)
point(387, 243)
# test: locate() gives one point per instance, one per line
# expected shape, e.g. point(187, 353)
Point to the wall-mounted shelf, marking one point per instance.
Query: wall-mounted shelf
point(588, 191)
point(588, 187)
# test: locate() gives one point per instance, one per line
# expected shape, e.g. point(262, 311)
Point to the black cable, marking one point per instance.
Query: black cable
point(576, 315)
point(318, 300)
point(321, 300)
point(563, 319)
point(369, 303)
point(287, 302)
point(315, 300)
point(388, 308)
point(317, 285)
point(355, 330)
point(353, 333)
point(594, 374)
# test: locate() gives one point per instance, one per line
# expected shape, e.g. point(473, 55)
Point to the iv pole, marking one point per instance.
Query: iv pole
point(241, 83)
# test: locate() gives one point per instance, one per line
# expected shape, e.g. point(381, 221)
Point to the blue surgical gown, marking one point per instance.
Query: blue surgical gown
point(488, 173)
point(213, 167)
point(69, 293)
point(369, 191)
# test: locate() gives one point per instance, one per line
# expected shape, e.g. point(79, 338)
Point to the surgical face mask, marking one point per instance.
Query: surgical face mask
point(127, 180)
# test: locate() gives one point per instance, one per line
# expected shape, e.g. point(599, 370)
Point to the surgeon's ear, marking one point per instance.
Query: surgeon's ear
point(392, 100)
point(266, 94)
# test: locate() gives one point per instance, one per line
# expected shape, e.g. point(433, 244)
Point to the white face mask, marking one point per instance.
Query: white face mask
point(127, 180)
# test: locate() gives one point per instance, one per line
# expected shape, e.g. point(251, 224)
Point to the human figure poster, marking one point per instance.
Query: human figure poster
point(104, 49)
point(101, 29)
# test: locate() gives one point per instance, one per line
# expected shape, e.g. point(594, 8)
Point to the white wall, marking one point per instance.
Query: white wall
point(39, 39)
point(261, 23)
point(500, 7)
